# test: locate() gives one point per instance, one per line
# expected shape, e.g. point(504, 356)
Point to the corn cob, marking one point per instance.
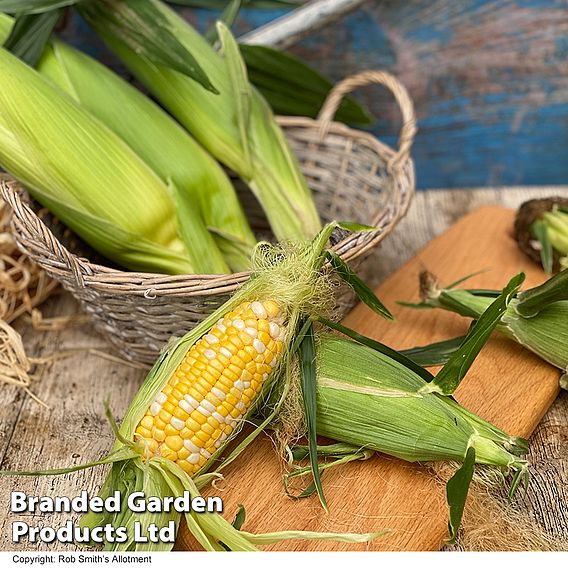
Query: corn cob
point(162, 144)
point(236, 125)
point(214, 386)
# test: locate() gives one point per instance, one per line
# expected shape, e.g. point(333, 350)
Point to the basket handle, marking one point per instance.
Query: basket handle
point(400, 93)
point(42, 236)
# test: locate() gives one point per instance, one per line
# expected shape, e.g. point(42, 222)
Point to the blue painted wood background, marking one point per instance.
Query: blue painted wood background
point(489, 80)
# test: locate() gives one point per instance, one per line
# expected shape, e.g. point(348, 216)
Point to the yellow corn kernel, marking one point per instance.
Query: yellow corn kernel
point(226, 360)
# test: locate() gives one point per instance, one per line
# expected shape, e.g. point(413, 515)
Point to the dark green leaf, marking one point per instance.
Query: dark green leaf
point(434, 354)
point(30, 34)
point(381, 348)
point(33, 6)
point(540, 231)
point(451, 375)
point(456, 492)
point(362, 291)
point(292, 87)
point(307, 355)
point(240, 517)
point(532, 301)
point(220, 4)
point(145, 30)
point(484, 292)
point(228, 17)
point(521, 477)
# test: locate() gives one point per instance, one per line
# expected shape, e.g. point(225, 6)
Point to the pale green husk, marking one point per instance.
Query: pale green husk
point(165, 147)
point(398, 419)
point(85, 174)
point(236, 125)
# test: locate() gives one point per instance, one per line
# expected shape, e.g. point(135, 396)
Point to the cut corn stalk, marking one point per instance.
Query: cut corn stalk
point(541, 230)
point(236, 125)
point(165, 147)
point(240, 363)
point(536, 319)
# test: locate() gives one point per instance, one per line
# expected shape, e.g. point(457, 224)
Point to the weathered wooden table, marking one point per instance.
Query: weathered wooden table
point(73, 429)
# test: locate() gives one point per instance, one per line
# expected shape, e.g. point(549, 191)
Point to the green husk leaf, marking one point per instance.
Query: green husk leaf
point(532, 301)
point(355, 227)
point(33, 6)
point(131, 250)
point(464, 279)
point(363, 292)
point(540, 231)
point(434, 354)
point(241, 91)
point(228, 17)
point(30, 34)
point(143, 27)
point(381, 348)
point(292, 87)
point(240, 517)
point(456, 492)
point(308, 378)
point(271, 538)
point(451, 375)
point(205, 256)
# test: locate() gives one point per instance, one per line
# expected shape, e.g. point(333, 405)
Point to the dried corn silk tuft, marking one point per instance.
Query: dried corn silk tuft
point(491, 523)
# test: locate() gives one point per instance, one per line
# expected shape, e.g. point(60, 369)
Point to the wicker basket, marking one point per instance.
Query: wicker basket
point(353, 176)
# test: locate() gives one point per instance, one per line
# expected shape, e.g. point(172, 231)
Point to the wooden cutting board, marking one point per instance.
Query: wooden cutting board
point(507, 385)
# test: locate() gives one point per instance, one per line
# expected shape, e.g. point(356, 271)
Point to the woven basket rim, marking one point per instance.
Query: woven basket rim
point(149, 285)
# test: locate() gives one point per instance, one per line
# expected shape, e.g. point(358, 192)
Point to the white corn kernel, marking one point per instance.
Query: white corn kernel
point(225, 352)
point(218, 393)
point(259, 346)
point(190, 446)
point(155, 408)
point(209, 353)
point(274, 330)
point(259, 310)
point(211, 339)
point(177, 423)
point(251, 331)
point(161, 398)
point(193, 459)
point(239, 324)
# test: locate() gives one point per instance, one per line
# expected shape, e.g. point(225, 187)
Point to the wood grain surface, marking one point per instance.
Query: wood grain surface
point(73, 429)
point(507, 385)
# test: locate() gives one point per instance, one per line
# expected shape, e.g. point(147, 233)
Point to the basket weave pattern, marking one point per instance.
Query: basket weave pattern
point(354, 177)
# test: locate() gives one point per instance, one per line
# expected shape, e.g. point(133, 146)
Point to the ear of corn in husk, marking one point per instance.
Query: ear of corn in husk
point(541, 230)
point(236, 125)
point(193, 175)
point(240, 363)
point(536, 319)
